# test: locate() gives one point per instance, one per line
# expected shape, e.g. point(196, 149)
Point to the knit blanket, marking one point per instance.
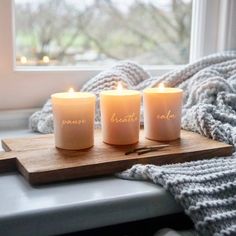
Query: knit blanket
point(206, 189)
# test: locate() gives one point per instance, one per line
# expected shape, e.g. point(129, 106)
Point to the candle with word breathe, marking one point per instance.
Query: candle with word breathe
point(162, 113)
point(73, 114)
point(120, 115)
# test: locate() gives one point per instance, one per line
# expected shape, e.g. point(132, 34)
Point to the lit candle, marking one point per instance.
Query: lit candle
point(73, 119)
point(162, 113)
point(120, 115)
point(23, 60)
point(46, 59)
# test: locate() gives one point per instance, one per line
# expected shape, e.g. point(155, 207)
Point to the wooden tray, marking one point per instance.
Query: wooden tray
point(39, 161)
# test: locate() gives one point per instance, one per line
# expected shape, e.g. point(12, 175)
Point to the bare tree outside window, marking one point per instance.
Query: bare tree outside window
point(100, 32)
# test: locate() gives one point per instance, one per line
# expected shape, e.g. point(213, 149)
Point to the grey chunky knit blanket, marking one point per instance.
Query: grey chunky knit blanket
point(206, 189)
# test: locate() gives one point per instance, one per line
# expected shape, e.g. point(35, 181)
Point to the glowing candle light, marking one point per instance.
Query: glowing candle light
point(161, 87)
point(23, 60)
point(73, 119)
point(46, 59)
point(120, 115)
point(162, 113)
point(119, 87)
point(71, 91)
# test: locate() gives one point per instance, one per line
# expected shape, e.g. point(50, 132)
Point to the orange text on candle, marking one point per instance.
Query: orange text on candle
point(73, 122)
point(125, 119)
point(167, 116)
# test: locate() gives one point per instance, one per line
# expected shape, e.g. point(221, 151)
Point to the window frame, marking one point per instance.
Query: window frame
point(29, 87)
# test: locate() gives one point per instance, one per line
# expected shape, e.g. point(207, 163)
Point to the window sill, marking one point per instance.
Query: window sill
point(15, 119)
point(80, 205)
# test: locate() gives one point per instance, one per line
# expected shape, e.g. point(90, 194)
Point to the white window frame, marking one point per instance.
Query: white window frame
point(213, 30)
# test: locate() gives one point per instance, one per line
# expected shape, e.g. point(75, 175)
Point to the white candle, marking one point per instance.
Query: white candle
point(73, 114)
point(120, 116)
point(162, 113)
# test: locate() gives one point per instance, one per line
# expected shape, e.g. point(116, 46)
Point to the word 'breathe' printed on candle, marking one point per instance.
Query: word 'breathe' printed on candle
point(167, 116)
point(125, 119)
point(73, 122)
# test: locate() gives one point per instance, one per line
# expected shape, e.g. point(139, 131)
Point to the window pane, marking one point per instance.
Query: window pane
point(100, 32)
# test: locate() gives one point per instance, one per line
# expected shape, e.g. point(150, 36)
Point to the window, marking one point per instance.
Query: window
point(101, 32)
point(31, 70)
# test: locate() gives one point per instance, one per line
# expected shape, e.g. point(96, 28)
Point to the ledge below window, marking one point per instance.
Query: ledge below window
point(76, 205)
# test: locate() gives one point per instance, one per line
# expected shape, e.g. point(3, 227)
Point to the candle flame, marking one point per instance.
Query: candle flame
point(161, 86)
point(23, 60)
point(119, 86)
point(71, 90)
point(46, 59)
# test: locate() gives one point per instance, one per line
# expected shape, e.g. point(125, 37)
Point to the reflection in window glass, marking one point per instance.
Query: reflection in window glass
point(100, 32)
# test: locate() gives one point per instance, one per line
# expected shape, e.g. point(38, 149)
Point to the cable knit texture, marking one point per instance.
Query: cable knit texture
point(206, 189)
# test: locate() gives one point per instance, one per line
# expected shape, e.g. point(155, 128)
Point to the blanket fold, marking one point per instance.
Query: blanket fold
point(205, 189)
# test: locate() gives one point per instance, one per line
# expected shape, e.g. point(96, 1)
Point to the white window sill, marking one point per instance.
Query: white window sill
point(15, 119)
point(80, 205)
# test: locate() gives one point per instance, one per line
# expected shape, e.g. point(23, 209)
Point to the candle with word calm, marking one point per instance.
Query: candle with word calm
point(162, 113)
point(120, 115)
point(73, 114)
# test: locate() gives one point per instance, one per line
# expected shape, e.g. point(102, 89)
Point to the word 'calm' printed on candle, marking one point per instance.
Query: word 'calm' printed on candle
point(162, 113)
point(124, 119)
point(168, 116)
point(73, 122)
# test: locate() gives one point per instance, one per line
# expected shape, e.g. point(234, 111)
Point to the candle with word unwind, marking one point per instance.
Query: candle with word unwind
point(120, 116)
point(162, 113)
point(73, 114)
